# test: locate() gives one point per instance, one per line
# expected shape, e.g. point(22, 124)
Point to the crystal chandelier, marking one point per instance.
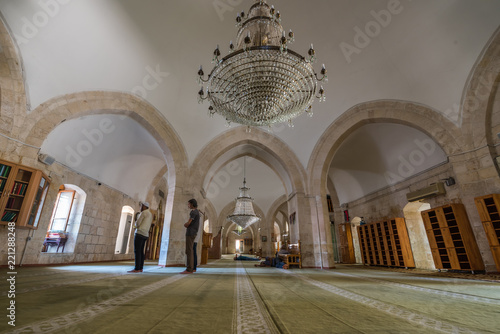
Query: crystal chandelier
point(261, 81)
point(239, 231)
point(243, 214)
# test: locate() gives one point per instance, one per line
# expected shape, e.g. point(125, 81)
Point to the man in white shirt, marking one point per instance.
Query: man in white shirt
point(142, 225)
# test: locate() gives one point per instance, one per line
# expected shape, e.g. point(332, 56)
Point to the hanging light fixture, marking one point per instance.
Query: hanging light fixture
point(239, 231)
point(243, 214)
point(261, 81)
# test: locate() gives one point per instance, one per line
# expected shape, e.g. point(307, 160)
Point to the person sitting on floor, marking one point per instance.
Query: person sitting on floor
point(266, 263)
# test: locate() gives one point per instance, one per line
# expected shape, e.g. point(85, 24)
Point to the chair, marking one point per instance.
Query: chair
point(294, 257)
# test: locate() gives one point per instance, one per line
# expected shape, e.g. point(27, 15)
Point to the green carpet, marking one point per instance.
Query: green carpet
point(227, 296)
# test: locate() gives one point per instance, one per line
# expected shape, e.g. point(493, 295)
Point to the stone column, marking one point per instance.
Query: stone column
point(316, 209)
point(173, 243)
point(265, 230)
point(355, 239)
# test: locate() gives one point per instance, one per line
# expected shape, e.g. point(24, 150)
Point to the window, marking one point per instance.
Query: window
point(123, 238)
point(62, 210)
point(66, 219)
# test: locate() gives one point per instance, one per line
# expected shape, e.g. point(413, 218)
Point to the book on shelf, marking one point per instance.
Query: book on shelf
point(19, 189)
point(4, 170)
point(10, 203)
point(9, 216)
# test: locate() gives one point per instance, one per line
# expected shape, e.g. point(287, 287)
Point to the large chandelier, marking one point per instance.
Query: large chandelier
point(243, 214)
point(261, 81)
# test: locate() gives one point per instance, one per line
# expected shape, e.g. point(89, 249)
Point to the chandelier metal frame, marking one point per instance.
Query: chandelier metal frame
point(261, 81)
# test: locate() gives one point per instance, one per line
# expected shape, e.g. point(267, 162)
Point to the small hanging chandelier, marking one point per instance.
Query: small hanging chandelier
point(243, 214)
point(261, 81)
point(239, 231)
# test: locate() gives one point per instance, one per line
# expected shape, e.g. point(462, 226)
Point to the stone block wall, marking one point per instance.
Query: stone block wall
point(98, 227)
point(391, 202)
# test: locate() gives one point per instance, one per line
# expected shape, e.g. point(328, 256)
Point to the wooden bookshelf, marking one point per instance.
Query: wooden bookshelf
point(386, 243)
point(22, 194)
point(453, 244)
point(346, 244)
point(488, 207)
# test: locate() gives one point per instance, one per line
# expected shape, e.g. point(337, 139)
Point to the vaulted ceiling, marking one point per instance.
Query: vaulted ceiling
point(418, 51)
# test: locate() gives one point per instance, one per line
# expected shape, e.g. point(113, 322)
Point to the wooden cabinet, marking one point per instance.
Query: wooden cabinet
point(346, 244)
point(22, 194)
point(206, 244)
point(488, 207)
point(452, 241)
point(386, 243)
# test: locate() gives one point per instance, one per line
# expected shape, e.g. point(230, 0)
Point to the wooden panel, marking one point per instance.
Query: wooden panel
point(493, 238)
point(468, 238)
point(362, 243)
point(488, 207)
point(215, 252)
point(451, 238)
point(386, 243)
point(346, 243)
point(438, 259)
point(496, 255)
point(405, 246)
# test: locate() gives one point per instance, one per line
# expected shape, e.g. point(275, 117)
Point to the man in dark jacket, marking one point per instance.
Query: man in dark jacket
point(191, 226)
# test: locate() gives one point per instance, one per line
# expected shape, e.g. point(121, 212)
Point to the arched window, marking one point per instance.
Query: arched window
point(65, 221)
point(62, 210)
point(124, 231)
point(206, 226)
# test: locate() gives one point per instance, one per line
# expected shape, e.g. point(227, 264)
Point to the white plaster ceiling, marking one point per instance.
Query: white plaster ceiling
point(363, 164)
point(423, 53)
point(112, 149)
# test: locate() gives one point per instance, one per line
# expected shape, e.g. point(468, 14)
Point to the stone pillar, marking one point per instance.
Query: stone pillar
point(173, 243)
point(320, 226)
point(265, 231)
point(418, 237)
point(355, 239)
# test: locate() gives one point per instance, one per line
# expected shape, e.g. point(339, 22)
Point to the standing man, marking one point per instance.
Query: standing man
point(191, 226)
point(142, 225)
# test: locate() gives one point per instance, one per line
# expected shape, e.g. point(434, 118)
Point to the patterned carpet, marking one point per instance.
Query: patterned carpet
point(227, 296)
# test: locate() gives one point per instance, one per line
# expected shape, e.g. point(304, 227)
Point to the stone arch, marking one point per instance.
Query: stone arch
point(51, 113)
point(153, 194)
point(48, 115)
point(13, 98)
point(276, 207)
point(430, 122)
point(435, 125)
point(210, 214)
point(240, 155)
point(477, 96)
point(257, 138)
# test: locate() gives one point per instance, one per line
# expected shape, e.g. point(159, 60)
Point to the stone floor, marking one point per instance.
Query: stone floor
point(227, 296)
